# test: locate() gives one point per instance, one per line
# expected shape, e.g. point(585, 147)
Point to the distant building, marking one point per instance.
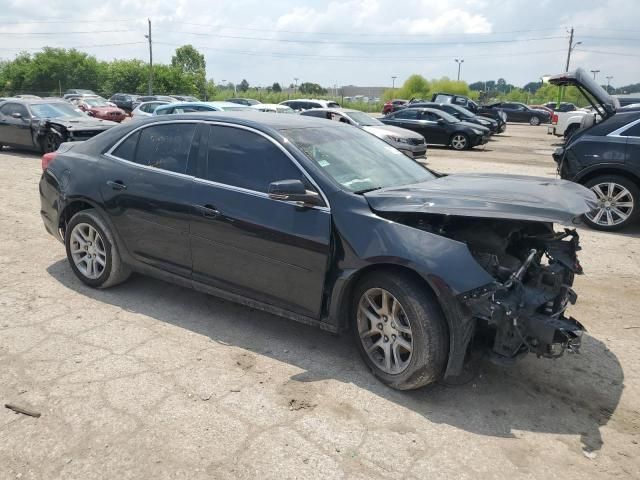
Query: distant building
point(354, 91)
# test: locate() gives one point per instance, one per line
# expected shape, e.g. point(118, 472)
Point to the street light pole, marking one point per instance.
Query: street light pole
point(594, 73)
point(393, 82)
point(295, 90)
point(459, 62)
point(609, 78)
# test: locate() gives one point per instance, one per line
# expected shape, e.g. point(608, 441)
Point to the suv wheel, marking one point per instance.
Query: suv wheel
point(91, 251)
point(400, 330)
point(535, 121)
point(459, 141)
point(617, 202)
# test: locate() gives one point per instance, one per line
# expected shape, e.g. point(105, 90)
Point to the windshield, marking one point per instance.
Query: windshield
point(237, 108)
point(96, 102)
point(448, 117)
point(463, 111)
point(356, 159)
point(363, 119)
point(55, 110)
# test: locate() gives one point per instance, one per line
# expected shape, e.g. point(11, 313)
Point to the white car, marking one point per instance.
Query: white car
point(146, 109)
point(272, 108)
point(302, 104)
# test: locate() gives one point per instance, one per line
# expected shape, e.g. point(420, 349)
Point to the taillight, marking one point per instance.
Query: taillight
point(47, 158)
point(554, 119)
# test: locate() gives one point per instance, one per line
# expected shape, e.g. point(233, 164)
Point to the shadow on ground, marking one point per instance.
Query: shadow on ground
point(574, 395)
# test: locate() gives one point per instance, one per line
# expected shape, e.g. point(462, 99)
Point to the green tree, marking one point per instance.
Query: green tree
point(310, 88)
point(243, 86)
point(189, 60)
point(276, 88)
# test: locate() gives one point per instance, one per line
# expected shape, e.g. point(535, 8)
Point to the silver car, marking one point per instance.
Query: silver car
point(408, 142)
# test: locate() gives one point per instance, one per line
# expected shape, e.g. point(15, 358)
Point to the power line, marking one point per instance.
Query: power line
point(74, 46)
point(331, 42)
point(607, 53)
point(67, 21)
point(67, 33)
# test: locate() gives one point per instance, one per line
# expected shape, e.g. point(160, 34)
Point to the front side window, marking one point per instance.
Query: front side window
point(355, 159)
point(164, 146)
point(245, 159)
point(633, 131)
point(9, 109)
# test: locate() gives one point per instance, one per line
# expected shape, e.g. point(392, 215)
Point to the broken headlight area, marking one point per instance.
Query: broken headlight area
point(534, 268)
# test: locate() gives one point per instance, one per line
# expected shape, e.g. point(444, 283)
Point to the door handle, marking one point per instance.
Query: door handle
point(208, 211)
point(116, 184)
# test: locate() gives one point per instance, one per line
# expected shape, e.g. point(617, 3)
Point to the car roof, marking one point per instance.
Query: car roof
point(333, 110)
point(35, 101)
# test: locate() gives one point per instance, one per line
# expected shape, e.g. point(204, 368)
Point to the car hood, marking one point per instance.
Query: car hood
point(76, 123)
point(515, 197)
point(475, 126)
point(382, 130)
point(582, 79)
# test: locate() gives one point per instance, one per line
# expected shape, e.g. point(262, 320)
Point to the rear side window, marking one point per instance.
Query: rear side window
point(247, 160)
point(165, 146)
point(333, 105)
point(408, 114)
point(165, 111)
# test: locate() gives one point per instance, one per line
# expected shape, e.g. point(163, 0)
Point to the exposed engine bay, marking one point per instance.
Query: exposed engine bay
point(523, 310)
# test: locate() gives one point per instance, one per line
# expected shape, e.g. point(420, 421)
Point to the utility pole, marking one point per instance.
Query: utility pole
point(295, 91)
point(459, 62)
point(609, 78)
point(572, 46)
point(148, 36)
point(594, 73)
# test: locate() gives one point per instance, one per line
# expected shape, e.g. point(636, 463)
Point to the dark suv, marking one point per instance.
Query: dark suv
point(604, 157)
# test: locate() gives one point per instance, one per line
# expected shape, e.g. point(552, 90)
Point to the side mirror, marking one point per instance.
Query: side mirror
point(293, 191)
point(16, 115)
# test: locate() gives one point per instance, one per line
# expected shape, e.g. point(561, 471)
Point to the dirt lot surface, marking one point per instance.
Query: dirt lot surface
point(149, 380)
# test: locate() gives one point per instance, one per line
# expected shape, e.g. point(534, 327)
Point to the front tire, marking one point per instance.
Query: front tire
point(400, 330)
point(535, 121)
point(617, 203)
point(460, 141)
point(92, 251)
point(50, 143)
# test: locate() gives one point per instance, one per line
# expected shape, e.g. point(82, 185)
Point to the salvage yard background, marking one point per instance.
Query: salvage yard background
point(150, 380)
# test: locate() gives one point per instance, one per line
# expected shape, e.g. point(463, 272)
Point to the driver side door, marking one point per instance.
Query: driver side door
point(15, 131)
point(247, 243)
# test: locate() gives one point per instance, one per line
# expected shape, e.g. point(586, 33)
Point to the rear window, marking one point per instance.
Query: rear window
point(333, 105)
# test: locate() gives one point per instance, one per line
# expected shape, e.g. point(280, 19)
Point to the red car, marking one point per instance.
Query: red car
point(100, 108)
point(393, 105)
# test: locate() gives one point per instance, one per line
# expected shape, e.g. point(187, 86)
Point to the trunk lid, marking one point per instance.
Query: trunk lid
point(513, 197)
point(583, 81)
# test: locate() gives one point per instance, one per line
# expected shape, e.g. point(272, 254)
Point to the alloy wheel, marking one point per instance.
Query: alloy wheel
point(88, 251)
point(534, 121)
point(51, 143)
point(615, 204)
point(459, 142)
point(384, 330)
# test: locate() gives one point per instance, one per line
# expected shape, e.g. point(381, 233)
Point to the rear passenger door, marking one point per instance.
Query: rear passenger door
point(242, 241)
point(147, 191)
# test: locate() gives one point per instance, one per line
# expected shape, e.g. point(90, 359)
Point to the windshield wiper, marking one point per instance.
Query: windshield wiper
point(366, 190)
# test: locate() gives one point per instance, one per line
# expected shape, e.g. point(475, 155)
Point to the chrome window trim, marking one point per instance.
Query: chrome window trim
point(618, 132)
point(287, 154)
point(109, 154)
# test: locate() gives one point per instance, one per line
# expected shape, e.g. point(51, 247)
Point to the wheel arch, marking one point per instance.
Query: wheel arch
point(592, 173)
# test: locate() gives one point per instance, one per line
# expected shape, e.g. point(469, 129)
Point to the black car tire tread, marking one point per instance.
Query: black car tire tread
point(44, 142)
point(429, 331)
point(115, 271)
point(635, 193)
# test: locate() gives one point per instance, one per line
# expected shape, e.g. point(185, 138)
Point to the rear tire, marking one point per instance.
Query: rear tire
point(619, 212)
point(460, 141)
point(92, 251)
point(535, 121)
point(408, 328)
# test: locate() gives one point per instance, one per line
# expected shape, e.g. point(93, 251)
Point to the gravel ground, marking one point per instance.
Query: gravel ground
point(149, 380)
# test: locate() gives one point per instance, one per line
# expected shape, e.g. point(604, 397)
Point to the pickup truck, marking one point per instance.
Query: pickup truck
point(566, 124)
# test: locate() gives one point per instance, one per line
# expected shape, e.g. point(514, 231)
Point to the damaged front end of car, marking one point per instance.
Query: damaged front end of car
point(524, 309)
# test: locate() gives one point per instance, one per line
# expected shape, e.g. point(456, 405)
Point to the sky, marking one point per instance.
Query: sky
point(348, 42)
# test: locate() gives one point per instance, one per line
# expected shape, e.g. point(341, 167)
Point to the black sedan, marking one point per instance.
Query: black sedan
point(439, 128)
point(42, 125)
point(519, 112)
point(462, 114)
point(326, 224)
point(606, 158)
